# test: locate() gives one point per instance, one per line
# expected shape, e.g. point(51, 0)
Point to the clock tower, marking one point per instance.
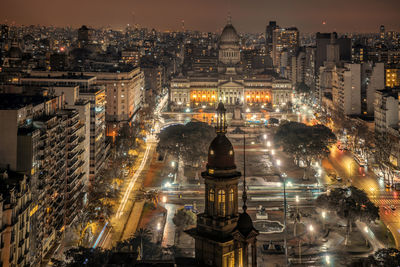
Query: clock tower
point(220, 240)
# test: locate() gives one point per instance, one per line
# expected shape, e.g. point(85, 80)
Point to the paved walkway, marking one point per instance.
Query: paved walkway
point(133, 220)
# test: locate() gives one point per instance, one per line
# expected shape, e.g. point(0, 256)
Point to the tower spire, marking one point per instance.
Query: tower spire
point(220, 128)
point(244, 196)
point(229, 18)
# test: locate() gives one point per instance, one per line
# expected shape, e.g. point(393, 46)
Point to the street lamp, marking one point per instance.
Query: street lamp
point(327, 260)
point(272, 152)
point(283, 177)
point(265, 137)
point(323, 219)
point(311, 230)
point(268, 143)
point(164, 199)
point(173, 164)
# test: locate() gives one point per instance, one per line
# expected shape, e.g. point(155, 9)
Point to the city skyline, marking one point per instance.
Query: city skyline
point(308, 16)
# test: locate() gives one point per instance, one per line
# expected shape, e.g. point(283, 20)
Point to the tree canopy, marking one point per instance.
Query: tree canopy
point(302, 88)
point(306, 143)
point(386, 257)
point(184, 218)
point(349, 203)
point(189, 142)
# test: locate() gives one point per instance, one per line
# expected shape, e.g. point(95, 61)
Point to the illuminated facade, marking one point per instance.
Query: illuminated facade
point(284, 40)
point(230, 85)
point(392, 77)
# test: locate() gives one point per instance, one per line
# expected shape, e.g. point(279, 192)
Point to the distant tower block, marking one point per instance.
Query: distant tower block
point(183, 25)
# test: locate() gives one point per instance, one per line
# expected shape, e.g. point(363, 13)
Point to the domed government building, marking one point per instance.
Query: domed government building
point(223, 236)
point(229, 84)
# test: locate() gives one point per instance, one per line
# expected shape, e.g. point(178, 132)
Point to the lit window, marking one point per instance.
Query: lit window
point(221, 202)
point(212, 195)
point(211, 152)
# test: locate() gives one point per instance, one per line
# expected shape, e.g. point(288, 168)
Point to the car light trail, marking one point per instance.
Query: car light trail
point(132, 182)
point(100, 235)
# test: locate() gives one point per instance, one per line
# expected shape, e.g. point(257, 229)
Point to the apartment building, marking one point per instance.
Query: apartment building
point(386, 112)
point(44, 141)
point(63, 83)
point(15, 207)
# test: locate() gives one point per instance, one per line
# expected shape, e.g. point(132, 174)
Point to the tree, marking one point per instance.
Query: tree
point(351, 204)
point(386, 257)
point(189, 142)
point(382, 156)
point(305, 143)
point(182, 219)
point(302, 88)
point(82, 256)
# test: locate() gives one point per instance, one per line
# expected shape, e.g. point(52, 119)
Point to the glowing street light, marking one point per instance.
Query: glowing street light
point(173, 164)
point(327, 259)
point(323, 219)
point(164, 199)
point(268, 143)
point(273, 152)
point(265, 136)
point(278, 162)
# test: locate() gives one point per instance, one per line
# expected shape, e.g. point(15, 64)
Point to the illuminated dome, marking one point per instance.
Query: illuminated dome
point(229, 46)
point(229, 35)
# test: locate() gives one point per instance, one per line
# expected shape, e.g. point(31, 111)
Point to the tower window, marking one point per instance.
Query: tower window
point(231, 195)
point(211, 195)
point(221, 202)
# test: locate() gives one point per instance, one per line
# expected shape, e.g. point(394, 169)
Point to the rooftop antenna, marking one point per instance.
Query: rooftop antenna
point(244, 196)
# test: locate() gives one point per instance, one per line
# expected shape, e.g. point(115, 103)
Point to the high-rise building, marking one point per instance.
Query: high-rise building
point(15, 207)
point(392, 77)
point(83, 36)
point(99, 148)
point(386, 111)
point(346, 89)
point(382, 32)
point(284, 40)
point(222, 235)
point(131, 56)
point(323, 40)
point(89, 92)
point(45, 142)
point(269, 36)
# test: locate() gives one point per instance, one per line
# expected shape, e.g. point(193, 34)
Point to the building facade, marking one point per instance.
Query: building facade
point(229, 85)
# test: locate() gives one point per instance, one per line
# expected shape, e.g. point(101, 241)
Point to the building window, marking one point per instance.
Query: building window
point(211, 195)
point(221, 202)
point(231, 196)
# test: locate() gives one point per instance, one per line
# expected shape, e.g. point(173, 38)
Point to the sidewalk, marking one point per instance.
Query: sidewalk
point(133, 220)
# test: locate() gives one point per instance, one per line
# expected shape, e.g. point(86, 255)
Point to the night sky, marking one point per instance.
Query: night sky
point(208, 15)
